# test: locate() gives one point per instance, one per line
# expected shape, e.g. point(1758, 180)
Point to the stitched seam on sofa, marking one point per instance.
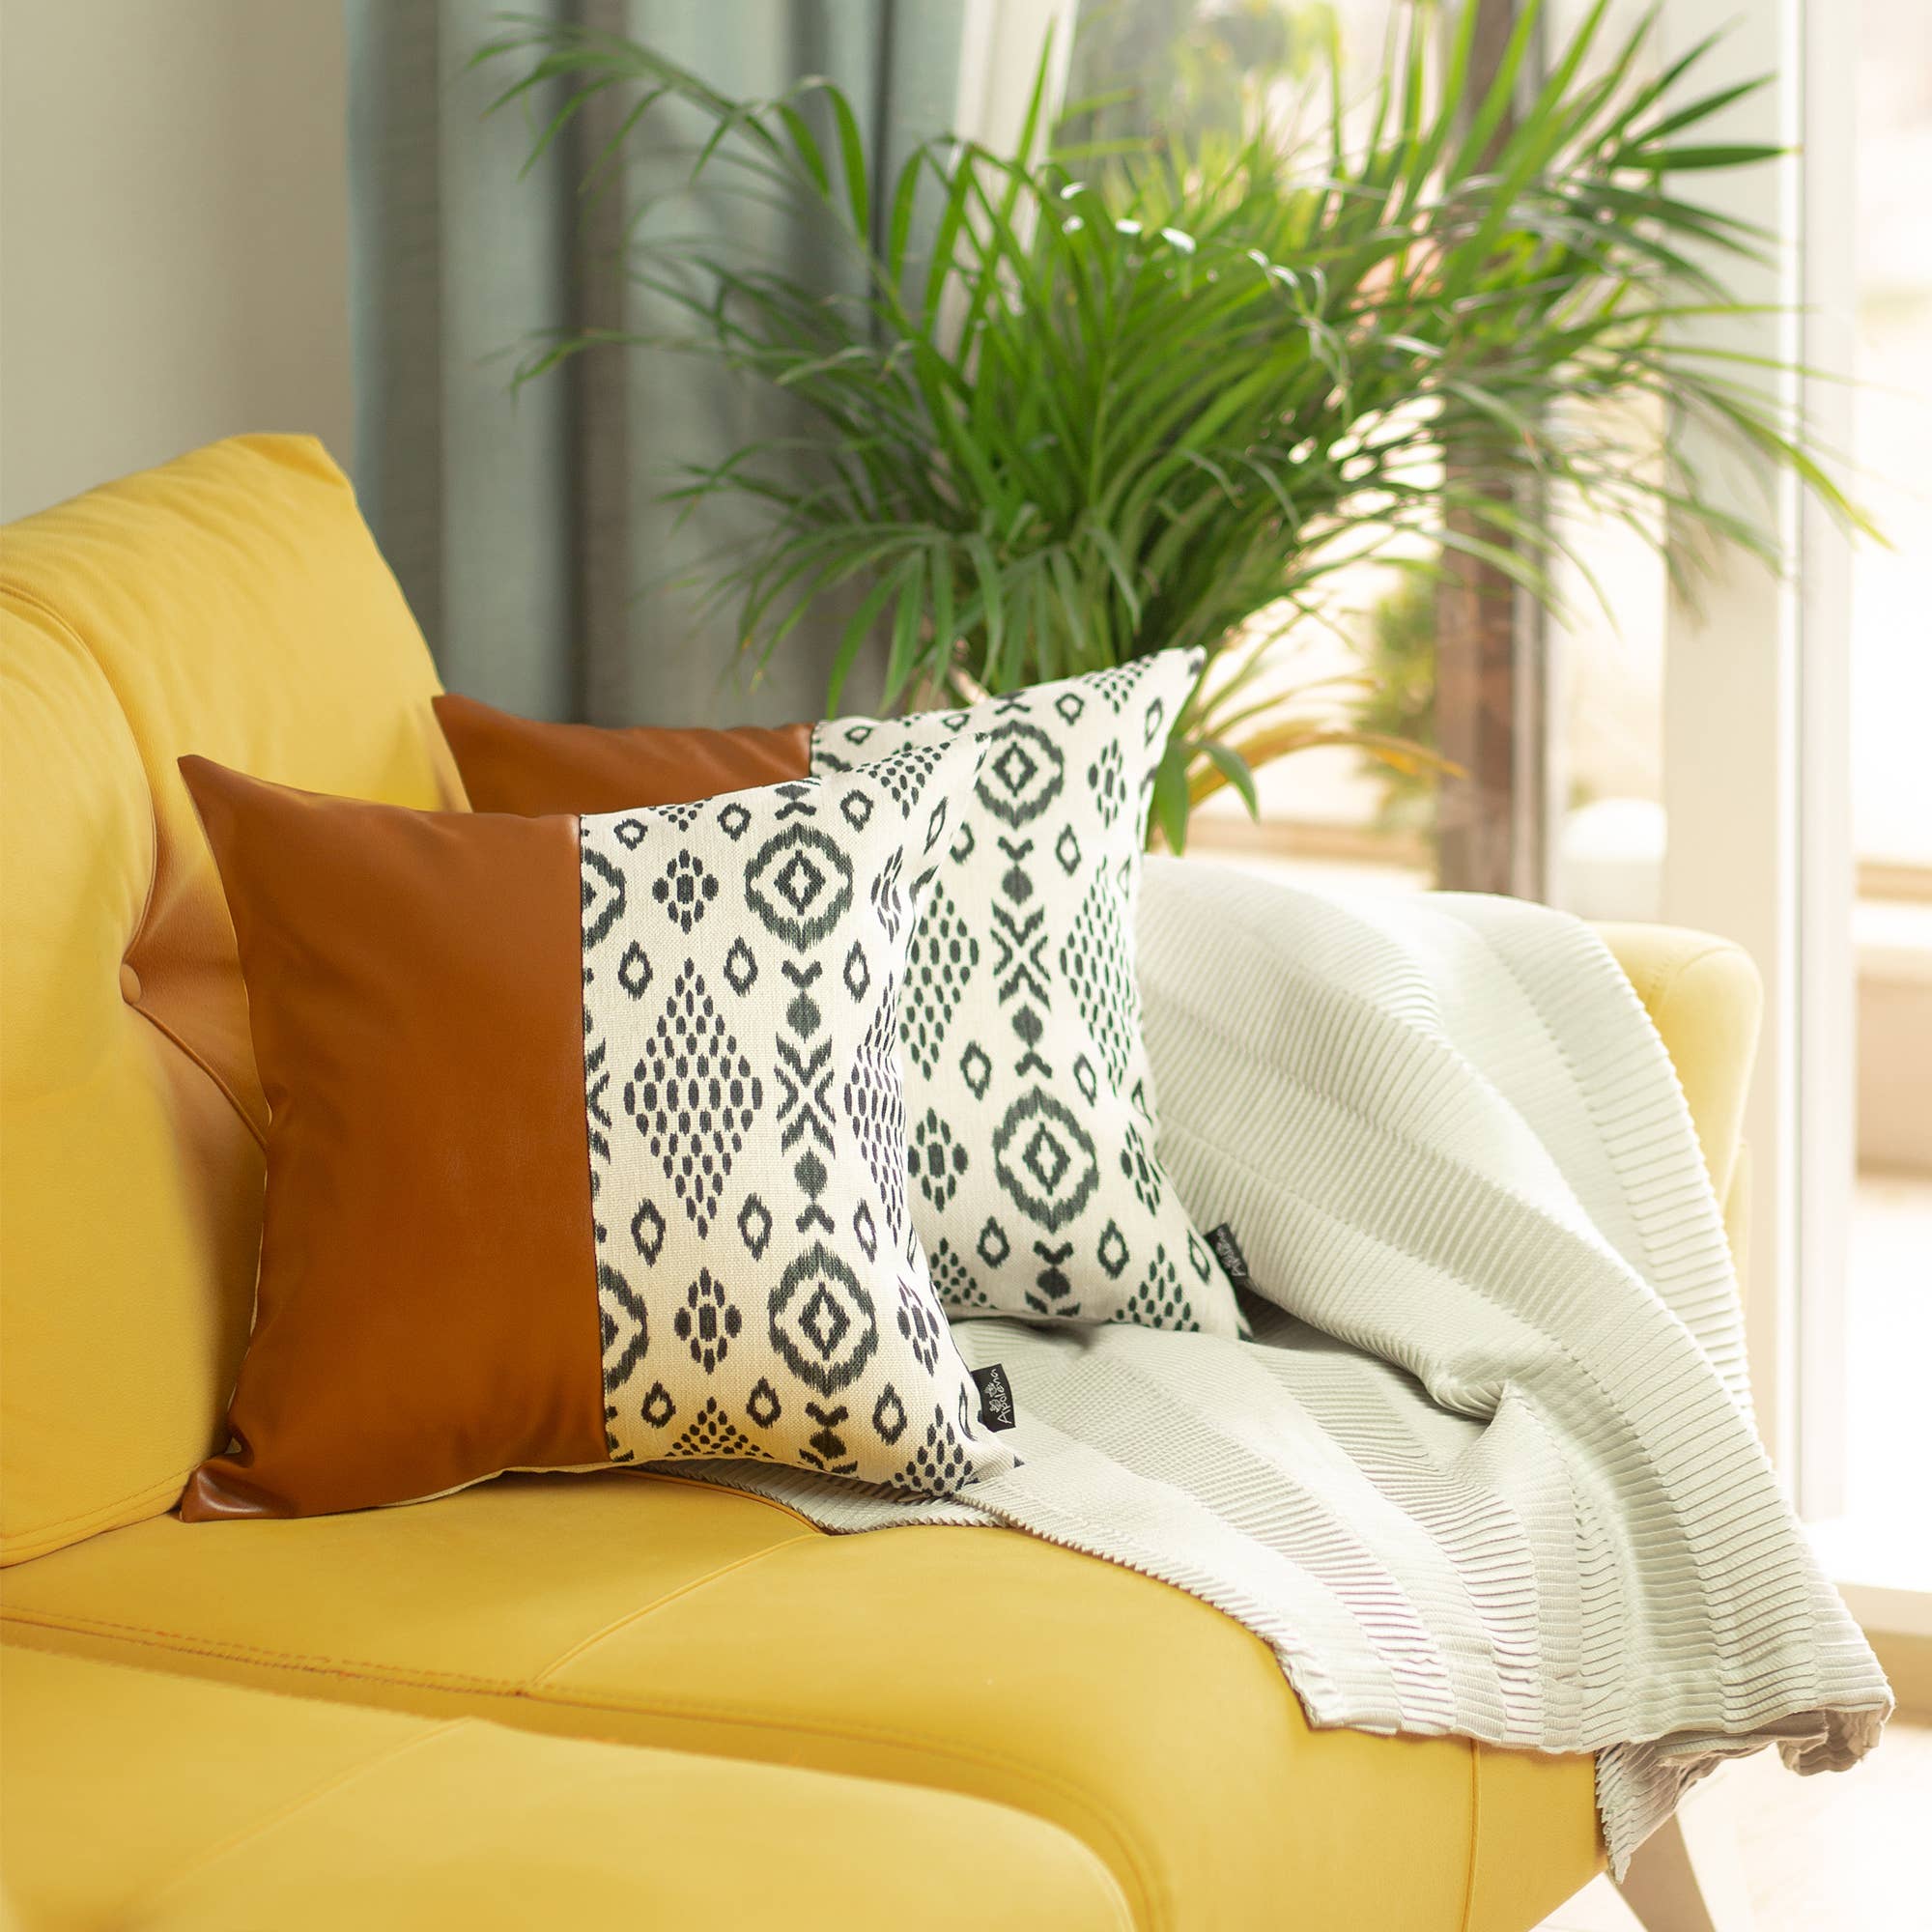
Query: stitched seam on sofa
point(658, 1707)
point(1666, 986)
point(747, 1496)
point(1666, 979)
point(320, 1664)
point(1078, 1796)
point(46, 610)
point(24, 1546)
point(141, 1666)
point(174, 1486)
point(1653, 979)
point(239, 1840)
point(41, 1541)
point(586, 1644)
point(1476, 1822)
point(236, 1651)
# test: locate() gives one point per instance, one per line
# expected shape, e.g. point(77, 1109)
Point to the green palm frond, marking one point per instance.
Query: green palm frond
point(1079, 406)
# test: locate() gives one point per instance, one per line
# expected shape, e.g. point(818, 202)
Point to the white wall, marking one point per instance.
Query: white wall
point(173, 233)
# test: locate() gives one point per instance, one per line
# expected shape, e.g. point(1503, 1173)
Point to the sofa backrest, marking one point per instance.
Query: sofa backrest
point(231, 603)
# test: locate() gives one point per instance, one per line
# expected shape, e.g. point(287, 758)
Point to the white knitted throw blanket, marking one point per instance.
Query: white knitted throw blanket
point(1486, 1468)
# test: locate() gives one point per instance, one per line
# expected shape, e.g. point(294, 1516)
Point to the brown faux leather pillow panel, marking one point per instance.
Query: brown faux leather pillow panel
point(517, 764)
point(416, 1000)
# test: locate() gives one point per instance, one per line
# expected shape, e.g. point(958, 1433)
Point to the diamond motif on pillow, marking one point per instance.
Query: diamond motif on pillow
point(940, 1465)
point(692, 1103)
point(976, 1069)
point(1045, 1159)
point(889, 1416)
point(1111, 1253)
point(822, 1320)
point(686, 890)
point(741, 968)
point(647, 1230)
point(1097, 963)
point(1117, 686)
point(1023, 774)
point(939, 966)
point(712, 1433)
point(1021, 1021)
point(905, 777)
point(953, 1280)
point(875, 1102)
point(938, 1160)
point(858, 975)
point(920, 1323)
point(1106, 781)
point(795, 1318)
point(1138, 1165)
point(1161, 1300)
point(633, 970)
point(707, 1324)
point(800, 884)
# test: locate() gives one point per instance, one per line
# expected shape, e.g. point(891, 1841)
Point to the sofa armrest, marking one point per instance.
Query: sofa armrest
point(1705, 999)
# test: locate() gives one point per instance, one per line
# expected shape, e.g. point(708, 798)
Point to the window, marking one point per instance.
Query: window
point(1888, 1306)
point(1201, 67)
point(1753, 763)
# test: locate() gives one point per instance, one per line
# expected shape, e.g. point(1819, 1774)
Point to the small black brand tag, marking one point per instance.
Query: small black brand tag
point(1228, 1252)
point(996, 1397)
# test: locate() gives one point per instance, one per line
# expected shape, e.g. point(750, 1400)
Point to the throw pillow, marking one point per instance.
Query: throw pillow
point(1038, 1189)
point(586, 1141)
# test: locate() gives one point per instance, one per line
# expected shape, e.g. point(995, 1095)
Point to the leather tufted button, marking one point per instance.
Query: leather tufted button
point(131, 984)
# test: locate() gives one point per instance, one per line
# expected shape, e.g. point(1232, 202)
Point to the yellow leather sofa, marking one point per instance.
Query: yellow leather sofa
point(547, 1700)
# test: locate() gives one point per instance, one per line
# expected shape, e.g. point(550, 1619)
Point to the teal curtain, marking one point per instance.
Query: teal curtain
point(522, 521)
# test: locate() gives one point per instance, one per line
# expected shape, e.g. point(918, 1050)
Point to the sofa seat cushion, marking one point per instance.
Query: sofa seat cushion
point(147, 1802)
point(650, 1611)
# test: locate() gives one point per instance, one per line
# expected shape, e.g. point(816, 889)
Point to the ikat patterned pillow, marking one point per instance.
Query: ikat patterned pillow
point(1037, 1186)
point(1038, 1189)
point(587, 1141)
point(742, 959)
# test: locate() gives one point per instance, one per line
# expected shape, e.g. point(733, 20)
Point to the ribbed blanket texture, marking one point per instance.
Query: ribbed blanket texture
point(1486, 1468)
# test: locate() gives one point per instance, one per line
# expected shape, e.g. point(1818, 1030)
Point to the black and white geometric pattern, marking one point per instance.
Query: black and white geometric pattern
point(1035, 1185)
point(762, 1292)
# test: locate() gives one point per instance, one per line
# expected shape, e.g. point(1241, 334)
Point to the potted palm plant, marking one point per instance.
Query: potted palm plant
point(1086, 403)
